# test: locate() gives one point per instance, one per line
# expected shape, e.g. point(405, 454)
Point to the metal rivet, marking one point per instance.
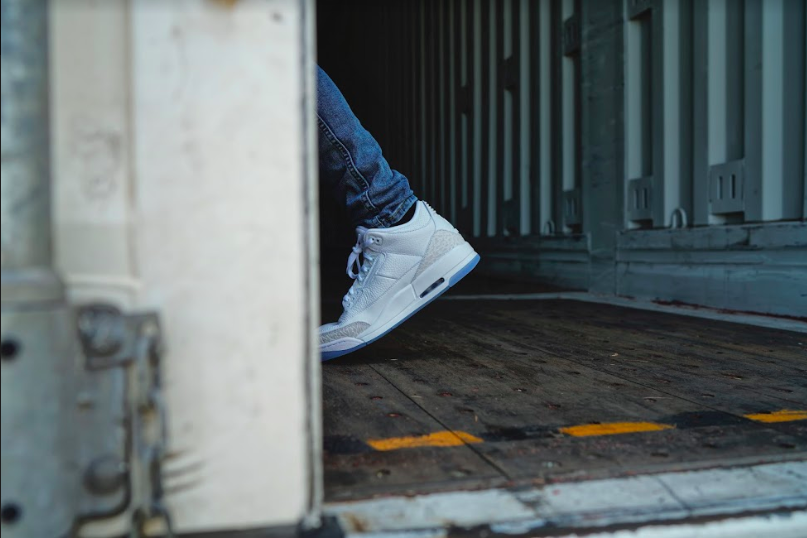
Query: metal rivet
point(105, 475)
point(10, 513)
point(9, 349)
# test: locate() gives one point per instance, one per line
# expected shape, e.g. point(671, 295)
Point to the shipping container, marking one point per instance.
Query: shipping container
point(629, 358)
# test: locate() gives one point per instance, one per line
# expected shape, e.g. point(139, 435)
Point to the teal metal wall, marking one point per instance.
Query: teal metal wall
point(651, 148)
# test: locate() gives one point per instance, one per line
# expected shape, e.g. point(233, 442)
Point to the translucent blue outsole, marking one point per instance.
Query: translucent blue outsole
point(459, 275)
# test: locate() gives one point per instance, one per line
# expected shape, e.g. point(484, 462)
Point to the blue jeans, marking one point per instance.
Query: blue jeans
point(352, 166)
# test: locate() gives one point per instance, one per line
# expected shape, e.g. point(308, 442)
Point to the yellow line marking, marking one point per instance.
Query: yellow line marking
point(614, 428)
point(444, 438)
point(457, 438)
point(785, 415)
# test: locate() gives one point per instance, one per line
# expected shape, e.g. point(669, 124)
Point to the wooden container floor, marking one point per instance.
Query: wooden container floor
point(486, 393)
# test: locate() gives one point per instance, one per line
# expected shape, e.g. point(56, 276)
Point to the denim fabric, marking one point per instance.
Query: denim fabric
point(352, 166)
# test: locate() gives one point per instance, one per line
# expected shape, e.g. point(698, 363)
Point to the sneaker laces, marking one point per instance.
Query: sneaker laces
point(360, 259)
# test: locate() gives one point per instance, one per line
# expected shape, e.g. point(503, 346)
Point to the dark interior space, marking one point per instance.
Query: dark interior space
point(351, 49)
point(474, 393)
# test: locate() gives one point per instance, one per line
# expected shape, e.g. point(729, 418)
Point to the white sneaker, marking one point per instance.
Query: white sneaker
point(403, 269)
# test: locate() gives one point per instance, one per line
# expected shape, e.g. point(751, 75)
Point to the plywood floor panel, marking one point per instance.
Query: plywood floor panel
point(359, 406)
point(521, 379)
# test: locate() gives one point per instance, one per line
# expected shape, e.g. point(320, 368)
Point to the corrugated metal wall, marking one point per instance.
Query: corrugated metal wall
point(562, 133)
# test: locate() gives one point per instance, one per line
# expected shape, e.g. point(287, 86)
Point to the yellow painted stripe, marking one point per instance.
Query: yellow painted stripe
point(614, 428)
point(444, 438)
point(785, 415)
point(456, 438)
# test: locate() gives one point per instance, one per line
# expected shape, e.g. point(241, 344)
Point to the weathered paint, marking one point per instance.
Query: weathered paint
point(668, 498)
point(785, 415)
point(444, 438)
point(614, 428)
point(448, 438)
point(460, 508)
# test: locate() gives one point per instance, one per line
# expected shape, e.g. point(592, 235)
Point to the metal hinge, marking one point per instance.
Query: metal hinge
point(571, 35)
point(639, 203)
point(84, 427)
point(122, 411)
point(572, 210)
point(726, 187)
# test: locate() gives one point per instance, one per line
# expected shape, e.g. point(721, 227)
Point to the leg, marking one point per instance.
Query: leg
point(352, 165)
point(399, 265)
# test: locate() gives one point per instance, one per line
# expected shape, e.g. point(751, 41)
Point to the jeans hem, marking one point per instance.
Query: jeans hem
point(396, 215)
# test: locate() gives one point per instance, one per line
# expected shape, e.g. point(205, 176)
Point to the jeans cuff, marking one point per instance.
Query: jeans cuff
point(391, 219)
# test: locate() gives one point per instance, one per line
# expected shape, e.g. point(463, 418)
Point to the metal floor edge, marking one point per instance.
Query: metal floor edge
point(705, 312)
point(759, 500)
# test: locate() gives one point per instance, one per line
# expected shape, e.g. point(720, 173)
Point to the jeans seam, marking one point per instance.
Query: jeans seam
point(349, 164)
